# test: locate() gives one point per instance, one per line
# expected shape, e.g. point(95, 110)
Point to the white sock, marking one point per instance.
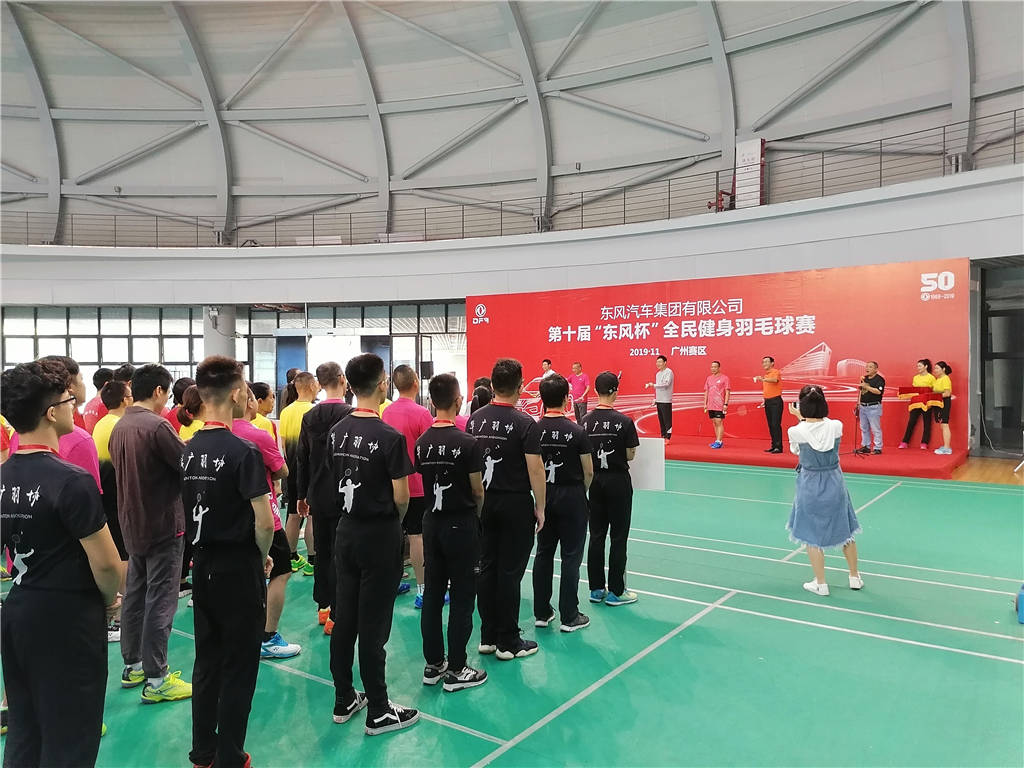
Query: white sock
point(136, 667)
point(156, 682)
point(419, 589)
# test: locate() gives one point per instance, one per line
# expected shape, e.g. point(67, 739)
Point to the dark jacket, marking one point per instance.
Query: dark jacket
point(315, 482)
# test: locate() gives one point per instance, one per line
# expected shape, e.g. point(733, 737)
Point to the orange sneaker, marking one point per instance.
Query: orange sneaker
point(323, 615)
point(328, 627)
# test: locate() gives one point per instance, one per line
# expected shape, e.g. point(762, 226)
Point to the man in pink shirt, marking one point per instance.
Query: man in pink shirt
point(76, 447)
point(716, 400)
point(579, 385)
point(412, 420)
point(95, 409)
point(274, 646)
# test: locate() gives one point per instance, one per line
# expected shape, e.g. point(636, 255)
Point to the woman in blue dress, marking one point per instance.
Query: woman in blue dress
point(823, 516)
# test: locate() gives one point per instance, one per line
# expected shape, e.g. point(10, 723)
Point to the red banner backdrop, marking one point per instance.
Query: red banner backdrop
point(819, 325)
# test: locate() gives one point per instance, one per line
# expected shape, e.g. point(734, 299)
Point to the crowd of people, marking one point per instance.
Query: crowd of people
point(106, 522)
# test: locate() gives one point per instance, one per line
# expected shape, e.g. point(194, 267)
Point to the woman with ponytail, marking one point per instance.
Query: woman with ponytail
point(190, 413)
point(822, 516)
point(944, 388)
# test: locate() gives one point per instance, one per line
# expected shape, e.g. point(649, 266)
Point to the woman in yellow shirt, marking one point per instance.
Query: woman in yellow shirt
point(190, 412)
point(943, 386)
point(923, 378)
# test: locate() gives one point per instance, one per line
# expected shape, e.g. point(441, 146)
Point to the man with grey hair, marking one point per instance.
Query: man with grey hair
point(870, 408)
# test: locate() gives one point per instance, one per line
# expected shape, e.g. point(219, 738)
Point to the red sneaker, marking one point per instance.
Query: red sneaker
point(322, 615)
point(328, 627)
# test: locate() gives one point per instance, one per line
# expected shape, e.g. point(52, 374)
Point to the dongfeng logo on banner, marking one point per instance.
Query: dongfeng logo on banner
point(481, 314)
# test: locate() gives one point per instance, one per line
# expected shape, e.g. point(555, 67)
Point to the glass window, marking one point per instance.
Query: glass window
point(84, 321)
point(51, 321)
point(18, 351)
point(175, 321)
point(321, 317)
point(176, 350)
point(348, 317)
point(263, 322)
point(52, 346)
point(197, 321)
point(292, 320)
point(19, 320)
point(376, 317)
point(403, 318)
point(242, 350)
point(197, 349)
point(113, 320)
point(457, 318)
point(264, 360)
point(85, 349)
point(87, 374)
point(242, 320)
point(432, 318)
point(145, 350)
point(115, 351)
point(145, 321)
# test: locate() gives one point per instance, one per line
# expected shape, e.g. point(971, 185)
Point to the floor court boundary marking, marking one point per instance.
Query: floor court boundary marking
point(827, 568)
point(330, 683)
point(598, 684)
point(726, 498)
point(857, 511)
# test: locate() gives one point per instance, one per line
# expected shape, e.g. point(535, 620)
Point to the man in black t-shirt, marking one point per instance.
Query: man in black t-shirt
point(451, 462)
point(565, 450)
point(231, 526)
point(315, 487)
point(370, 471)
point(65, 565)
point(869, 409)
point(614, 440)
point(510, 514)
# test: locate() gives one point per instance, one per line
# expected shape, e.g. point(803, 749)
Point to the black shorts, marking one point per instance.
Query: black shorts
point(281, 554)
point(716, 414)
point(942, 414)
point(413, 522)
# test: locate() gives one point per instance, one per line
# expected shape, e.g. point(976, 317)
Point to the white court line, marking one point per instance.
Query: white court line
point(827, 568)
point(323, 681)
point(857, 511)
point(525, 734)
point(705, 538)
point(727, 498)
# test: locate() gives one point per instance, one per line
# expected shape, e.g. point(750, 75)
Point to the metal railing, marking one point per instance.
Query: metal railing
point(791, 173)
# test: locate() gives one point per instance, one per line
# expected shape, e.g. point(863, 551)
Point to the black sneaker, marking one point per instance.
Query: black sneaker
point(580, 622)
point(544, 622)
point(486, 648)
point(876, 452)
point(467, 677)
point(863, 449)
point(347, 706)
point(394, 718)
point(432, 673)
point(184, 589)
point(520, 650)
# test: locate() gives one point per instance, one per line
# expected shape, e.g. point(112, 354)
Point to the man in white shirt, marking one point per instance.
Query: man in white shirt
point(663, 383)
point(545, 365)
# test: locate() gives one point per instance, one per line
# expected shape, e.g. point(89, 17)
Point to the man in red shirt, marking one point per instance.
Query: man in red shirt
point(412, 420)
point(716, 400)
point(95, 409)
point(579, 385)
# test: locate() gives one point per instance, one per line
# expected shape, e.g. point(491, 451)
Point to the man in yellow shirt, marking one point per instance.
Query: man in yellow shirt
point(290, 424)
point(116, 396)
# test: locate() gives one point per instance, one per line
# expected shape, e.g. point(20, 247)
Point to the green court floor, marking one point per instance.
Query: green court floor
point(724, 661)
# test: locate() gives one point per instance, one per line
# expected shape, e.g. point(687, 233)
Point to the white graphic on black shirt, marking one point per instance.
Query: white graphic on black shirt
point(202, 461)
point(603, 455)
point(489, 462)
point(33, 496)
point(373, 446)
point(16, 494)
point(19, 564)
point(551, 467)
point(198, 511)
point(218, 464)
point(332, 442)
point(185, 463)
point(348, 491)
point(439, 495)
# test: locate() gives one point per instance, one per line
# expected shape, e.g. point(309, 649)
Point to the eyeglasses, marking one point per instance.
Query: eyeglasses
point(71, 399)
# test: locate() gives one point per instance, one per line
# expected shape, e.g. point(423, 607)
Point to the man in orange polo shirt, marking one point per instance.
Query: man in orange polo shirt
point(771, 386)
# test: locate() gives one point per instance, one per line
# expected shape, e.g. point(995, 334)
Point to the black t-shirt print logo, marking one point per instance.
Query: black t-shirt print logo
point(198, 513)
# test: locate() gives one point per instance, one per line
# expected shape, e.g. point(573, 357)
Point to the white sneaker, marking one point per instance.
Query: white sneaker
point(816, 588)
point(486, 648)
point(544, 622)
point(856, 582)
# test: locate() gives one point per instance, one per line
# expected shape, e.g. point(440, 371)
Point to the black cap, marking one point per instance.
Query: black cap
point(606, 383)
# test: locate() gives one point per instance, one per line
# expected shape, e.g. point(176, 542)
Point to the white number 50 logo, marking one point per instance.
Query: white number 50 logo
point(937, 281)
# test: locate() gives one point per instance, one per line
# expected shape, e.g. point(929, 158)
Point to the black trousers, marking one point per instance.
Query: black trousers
point(611, 507)
point(507, 527)
point(926, 428)
point(451, 552)
point(325, 579)
point(368, 562)
point(773, 415)
point(565, 526)
point(230, 608)
point(580, 408)
point(186, 559)
point(55, 676)
point(665, 419)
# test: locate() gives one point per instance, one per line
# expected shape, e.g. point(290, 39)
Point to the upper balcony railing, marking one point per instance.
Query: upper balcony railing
point(815, 170)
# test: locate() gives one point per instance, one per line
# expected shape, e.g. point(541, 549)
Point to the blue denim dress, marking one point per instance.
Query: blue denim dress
point(822, 514)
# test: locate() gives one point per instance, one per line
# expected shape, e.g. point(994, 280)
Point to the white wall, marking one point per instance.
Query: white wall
point(978, 215)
